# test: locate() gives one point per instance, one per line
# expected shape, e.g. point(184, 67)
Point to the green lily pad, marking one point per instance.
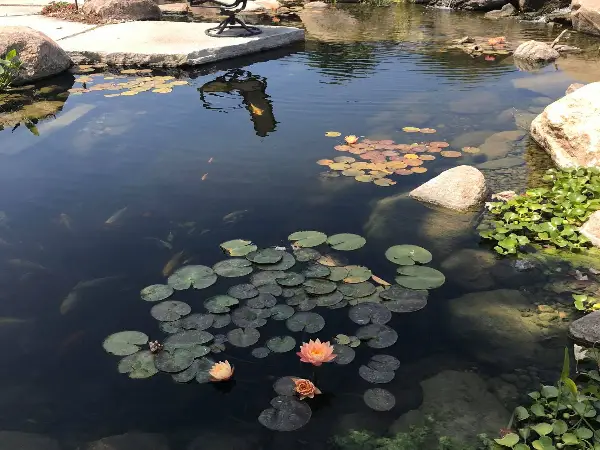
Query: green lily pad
point(319, 287)
point(373, 298)
point(268, 277)
point(402, 300)
point(305, 321)
point(306, 254)
point(379, 399)
point(156, 292)
point(243, 291)
point(305, 304)
point(337, 273)
point(329, 300)
point(384, 363)
point(357, 290)
point(339, 305)
point(238, 247)
point(221, 320)
point(245, 317)
point(235, 267)
point(343, 354)
point(190, 340)
point(286, 414)
point(282, 312)
point(285, 386)
point(357, 274)
point(265, 256)
point(197, 321)
point(308, 238)
point(188, 374)
point(220, 304)
point(203, 370)
point(366, 313)
point(281, 344)
point(407, 255)
point(420, 277)
point(176, 361)
point(287, 262)
point(346, 241)
point(125, 343)
point(198, 276)
point(171, 327)
point(262, 301)
point(243, 337)
point(138, 365)
point(316, 270)
point(170, 310)
point(273, 289)
point(375, 376)
point(291, 279)
point(342, 339)
point(377, 336)
point(260, 352)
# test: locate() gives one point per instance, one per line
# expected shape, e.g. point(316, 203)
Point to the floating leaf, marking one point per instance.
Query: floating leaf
point(344, 159)
point(319, 287)
point(286, 414)
point(420, 277)
point(260, 352)
point(329, 300)
point(291, 279)
point(138, 365)
point(333, 134)
point(380, 281)
point(305, 321)
point(188, 374)
point(342, 339)
point(384, 182)
point(338, 273)
point(408, 254)
point(316, 270)
point(190, 340)
point(287, 262)
point(282, 312)
point(125, 343)
point(199, 277)
point(324, 162)
point(411, 129)
point(364, 178)
point(346, 241)
point(281, 344)
point(366, 313)
point(236, 267)
point(308, 238)
point(220, 304)
point(197, 321)
point(426, 157)
point(418, 170)
point(272, 289)
point(238, 247)
point(267, 277)
point(509, 440)
point(245, 317)
point(171, 327)
point(357, 290)
point(357, 274)
point(170, 310)
point(379, 399)
point(285, 386)
point(377, 336)
point(384, 363)
point(471, 150)
point(221, 320)
point(176, 361)
point(203, 370)
point(428, 130)
point(306, 254)
point(156, 292)
point(375, 376)
point(262, 301)
point(403, 300)
point(265, 256)
point(451, 154)
point(439, 144)
point(243, 291)
point(243, 337)
point(343, 354)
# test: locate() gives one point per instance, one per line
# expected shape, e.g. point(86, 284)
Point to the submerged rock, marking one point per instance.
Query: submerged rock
point(573, 87)
point(129, 441)
point(470, 268)
point(123, 9)
point(569, 128)
point(15, 440)
point(507, 10)
point(591, 229)
point(535, 54)
point(461, 188)
point(586, 331)
point(585, 15)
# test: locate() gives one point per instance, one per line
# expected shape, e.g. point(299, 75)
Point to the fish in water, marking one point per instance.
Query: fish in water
point(65, 221)
point(75, 296)
point(204, 177)
point(13, 321)
point(234, 216)
point(160, 242)
point(210, 160)
point(24, 264)
point(116, 216)
point(172, 264)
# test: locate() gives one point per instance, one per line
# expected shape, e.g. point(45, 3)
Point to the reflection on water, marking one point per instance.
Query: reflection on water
point(185, 179)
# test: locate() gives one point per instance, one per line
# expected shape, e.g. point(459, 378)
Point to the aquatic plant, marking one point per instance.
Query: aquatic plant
point(316, 352)
point(585, 302)
point(9, 67)
point(305, 388)
point(129, 85)
point(221, 371)
point(547, 216)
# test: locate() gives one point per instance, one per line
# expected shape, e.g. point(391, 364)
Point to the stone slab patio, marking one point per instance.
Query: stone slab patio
point(53, 28)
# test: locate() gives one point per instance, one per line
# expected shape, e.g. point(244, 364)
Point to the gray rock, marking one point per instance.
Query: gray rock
point(500, 144)
point(480, 5)
point(585, 15)
point(507, 10)
point(573, 87)
point(591, 229)
point(503, 163)
point(15, 440)
point(470, 268)
point(461, 188)
point(535, 52)
point(561, 48)
point(123, 9)
point(40, 55)
point(586, 331)
point(131, 441)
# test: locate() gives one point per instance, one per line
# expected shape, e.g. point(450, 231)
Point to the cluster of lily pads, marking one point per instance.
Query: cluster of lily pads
point(383, 158)
point(275, 292)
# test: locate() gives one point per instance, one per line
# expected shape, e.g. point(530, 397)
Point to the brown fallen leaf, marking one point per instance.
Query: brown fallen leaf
point(380, 281)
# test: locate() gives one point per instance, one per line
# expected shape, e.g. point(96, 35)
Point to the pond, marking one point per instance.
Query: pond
point(110, 194)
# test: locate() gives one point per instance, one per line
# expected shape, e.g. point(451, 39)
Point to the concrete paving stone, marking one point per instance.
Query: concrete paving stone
point(8, 11)
point(53, 28)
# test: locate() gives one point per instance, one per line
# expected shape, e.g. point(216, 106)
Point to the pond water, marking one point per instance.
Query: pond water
point(232, 154)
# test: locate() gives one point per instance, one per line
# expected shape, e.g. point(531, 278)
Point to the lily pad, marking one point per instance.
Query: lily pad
point(420, 277)
point(221, 320)
point(138, 365)
point(268, 277)
point(176, 361)
point(357, 290)
point(377, 336)
point(319, 287)
point(171, 327)
point(262, 301)
point(342, 339)
point(308, 238)
point(316, 270)
point(287, 262)
point(235, 267)
point(273, 289)
point(339, 305)
point(245, 317)
point(281, 344)
point(282, 312)
point(188, 374)
point(375, 376)
point(265, 256)
point(343, 354)
point(243, 291)
point(306, 254)
point(306, 304)
point(125, 343)
point(357, 274)
point(220, 304)
point(285, 386)
point(407, 255)
point(260, 352)
point(305, 321)
point(337, 273)
point(170, 310)
point(286, 414)
point(346, 241)
point(156, 292)
point(197, 321)
point(370, 313)
point(243, 337)
point(203, 370)
point(198, 276)
point(379, 399)
point(384, 363)
point(329, 300)
point(190, 340)
point(402, 300)
point(238, 247)
point(291, 279)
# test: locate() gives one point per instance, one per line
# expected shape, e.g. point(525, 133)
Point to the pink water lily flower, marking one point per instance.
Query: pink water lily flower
point(316, 352)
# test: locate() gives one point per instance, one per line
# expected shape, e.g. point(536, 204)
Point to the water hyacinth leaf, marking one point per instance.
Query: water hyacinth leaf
point(286, 414)
point(510, 440)
point(272, 289)
point(346, 241)
point(243, 337)
point(291, 279)
point(343, 354)
point(402, 300)
point(176, 361)
point(319, 287)
point(170, 310)
point(282, 312)
point(407, 255)
point(357, 290)
point(198, 276)
point(243, 291)
point(316, 271)
point(238, 247)
point(338, 273)
point(420, 277)
point(281, 344)
point(306, 254)
point(124, 343)
point(236, 267)
point(267, 277)
point(375, 376)
point(188, 374)
point(156, 292)
point(262, 301)
point(220, 304)
point(366, 313)
point(245, 317)
point(307, 238)
point(377, 336)
point(357, 274)
point(379, 399)
point(329, 300)
point(285, 386)
point(287, 262)
point(305, 321)
point(203, 370)
point(138, 365)
point(188, 340)
point(221, 320)
point(197, 321)
point(260, 352)
point(265, 256)
point(384, 363)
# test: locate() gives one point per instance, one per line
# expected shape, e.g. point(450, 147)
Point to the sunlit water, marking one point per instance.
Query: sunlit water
point(180, 162)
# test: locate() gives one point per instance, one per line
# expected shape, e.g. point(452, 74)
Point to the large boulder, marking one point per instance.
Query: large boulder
point(585, 15)
point(586, 330)
point(40, 55)
point(123, 9)
point(507, 10)
point(569, 128)
point(535, 53)
point(591, 229)
point(129, 441)
point(479, 5)
point(15, 440)
point(461, 188)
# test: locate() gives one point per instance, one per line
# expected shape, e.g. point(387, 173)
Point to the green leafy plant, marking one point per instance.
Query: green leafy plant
point(9, 67)
point(547, 216)
point(585, 302)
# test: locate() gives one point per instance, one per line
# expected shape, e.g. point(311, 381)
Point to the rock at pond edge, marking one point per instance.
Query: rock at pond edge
point(586, 330)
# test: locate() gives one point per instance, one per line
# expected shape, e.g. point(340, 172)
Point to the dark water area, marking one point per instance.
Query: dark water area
point(178, 165)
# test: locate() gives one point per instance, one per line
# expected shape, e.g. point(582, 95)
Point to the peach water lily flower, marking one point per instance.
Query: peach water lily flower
point(221, 371)
point(316, 352)
point(351, 139)
point(305, 388)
